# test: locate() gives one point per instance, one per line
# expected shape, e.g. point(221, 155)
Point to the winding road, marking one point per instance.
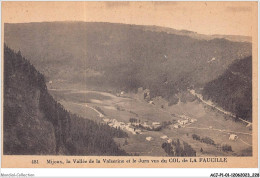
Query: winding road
point(217, 108)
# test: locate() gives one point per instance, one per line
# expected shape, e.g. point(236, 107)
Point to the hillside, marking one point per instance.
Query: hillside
point(233, 89)
point(122, 56)
point(35, 124)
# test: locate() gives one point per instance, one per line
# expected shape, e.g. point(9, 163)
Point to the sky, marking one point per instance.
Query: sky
point(229, 18)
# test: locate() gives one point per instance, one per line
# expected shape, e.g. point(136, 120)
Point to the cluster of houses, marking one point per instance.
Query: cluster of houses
point(116, 124)
point(164, 137)
point(183, 121)
point(146, 126)
point(132, 127)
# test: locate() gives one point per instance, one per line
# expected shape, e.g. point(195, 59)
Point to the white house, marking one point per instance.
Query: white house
point(233, 137)
point(151, 102)
point(149, 138)
point(176, 126)
point(156, 123)
point(106, 120)
point(164, 137)
point(193, 120)
point(169, 140)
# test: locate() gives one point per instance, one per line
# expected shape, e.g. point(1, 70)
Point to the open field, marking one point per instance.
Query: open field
point(209, 122)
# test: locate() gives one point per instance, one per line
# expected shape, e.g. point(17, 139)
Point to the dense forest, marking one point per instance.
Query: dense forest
point(233, 89)
point(34, 123)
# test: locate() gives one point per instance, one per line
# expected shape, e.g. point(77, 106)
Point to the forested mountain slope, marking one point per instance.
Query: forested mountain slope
point(233, 89)
point(34, 123)
point(122, 56)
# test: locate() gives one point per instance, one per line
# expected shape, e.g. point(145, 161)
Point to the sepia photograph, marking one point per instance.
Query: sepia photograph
point(130, 79)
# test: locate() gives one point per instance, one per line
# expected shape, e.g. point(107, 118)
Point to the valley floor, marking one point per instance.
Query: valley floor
point(116, 110)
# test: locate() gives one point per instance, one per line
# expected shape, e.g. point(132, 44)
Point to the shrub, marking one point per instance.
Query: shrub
point(195, 137)
point(226, 148)
point(208, 140)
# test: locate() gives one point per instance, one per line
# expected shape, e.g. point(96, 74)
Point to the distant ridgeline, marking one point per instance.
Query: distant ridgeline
point(233, 89)
point(35, 124)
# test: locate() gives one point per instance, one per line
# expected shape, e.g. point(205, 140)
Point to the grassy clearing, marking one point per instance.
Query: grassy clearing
point(81, 110)
point(78, 96)
point(138, 144)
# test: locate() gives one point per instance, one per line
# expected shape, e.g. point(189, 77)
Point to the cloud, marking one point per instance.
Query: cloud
point(239, 9)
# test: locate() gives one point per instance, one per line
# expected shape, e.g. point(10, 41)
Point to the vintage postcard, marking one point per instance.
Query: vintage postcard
point(129, 84)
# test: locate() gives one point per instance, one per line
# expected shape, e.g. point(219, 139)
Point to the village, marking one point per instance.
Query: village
point(137, 127)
